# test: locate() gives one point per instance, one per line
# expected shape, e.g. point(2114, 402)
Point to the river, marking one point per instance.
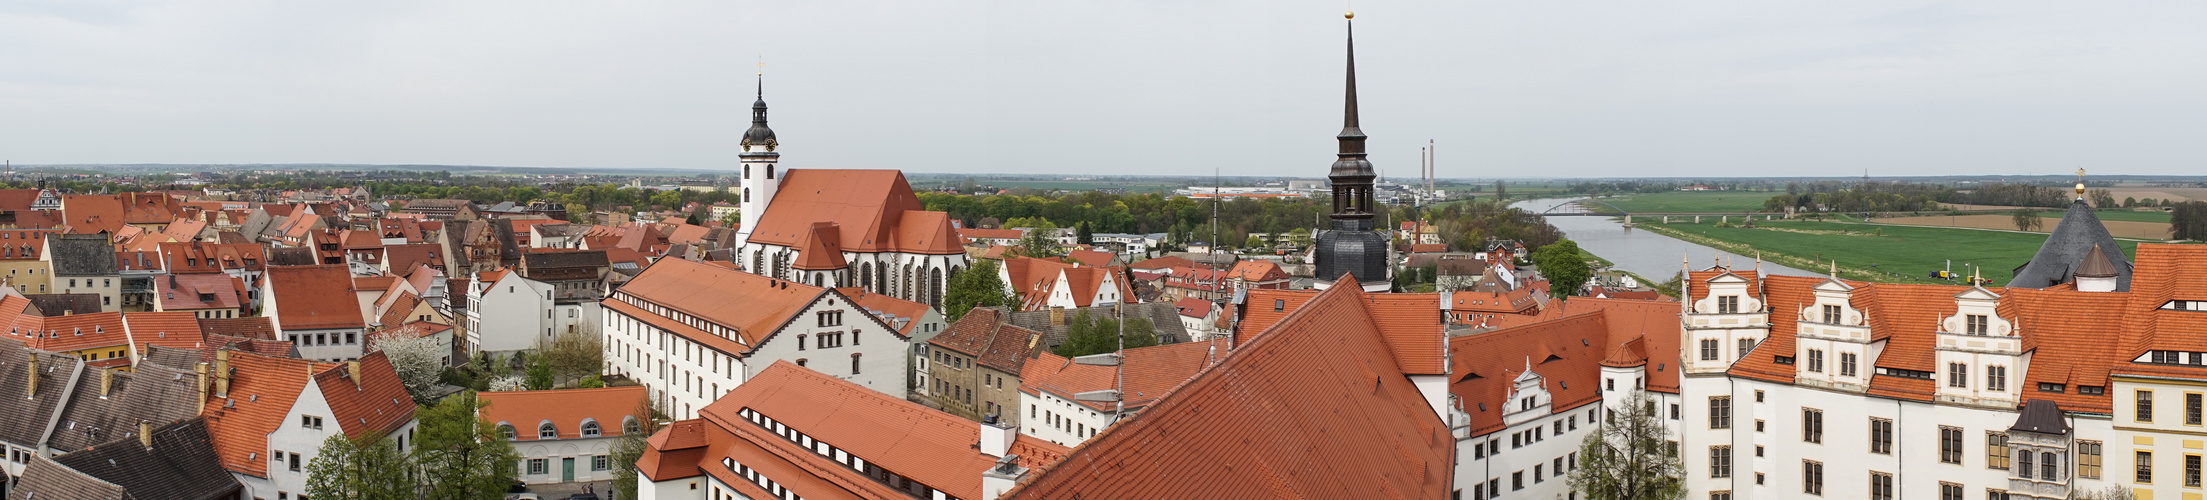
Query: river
point(1652, 256)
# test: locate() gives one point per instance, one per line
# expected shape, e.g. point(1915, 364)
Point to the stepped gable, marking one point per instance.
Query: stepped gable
point(2059, 259)
point(1316, 407)
point(875, 210)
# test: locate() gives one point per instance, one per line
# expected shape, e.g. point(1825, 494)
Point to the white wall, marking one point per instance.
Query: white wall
point(509, 315)
point(1074, 422)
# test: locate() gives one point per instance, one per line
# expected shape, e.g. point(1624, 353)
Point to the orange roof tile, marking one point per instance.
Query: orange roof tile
point(875, 210)
point(1150, 373)
point(1337, 419)
point(259, 401)
point(886, 307)
point(370, 406)
point(313, 297)
point(566, 409)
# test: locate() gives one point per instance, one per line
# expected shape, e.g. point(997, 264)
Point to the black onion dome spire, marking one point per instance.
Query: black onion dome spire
point(759, 133)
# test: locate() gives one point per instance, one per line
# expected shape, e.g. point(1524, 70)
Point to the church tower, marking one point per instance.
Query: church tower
point(759, 178)
point(1351, 246)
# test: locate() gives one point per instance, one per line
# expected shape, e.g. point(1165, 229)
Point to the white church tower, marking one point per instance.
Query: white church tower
point(759, 177)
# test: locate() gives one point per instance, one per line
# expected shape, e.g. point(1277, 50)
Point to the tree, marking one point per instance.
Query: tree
point(2026, 219)
point(2108, 493)
point(1093, 335)
point(1501, 192)
point(2130, 201)
point(1671, 287)
point(463, 456)
point(1037, 243)
point(1084, 234)
point(418, 360)
point(572, 356)
point(2188, 221)
point(2101, 198)
point(1253, 242)
point(344, 469)
point(734, 218)
point(541, 376)
point(1630, 456)
point(977, 286)
point(1299, 238)
point(1565, 269)
point(631, 448)
point(697, 217)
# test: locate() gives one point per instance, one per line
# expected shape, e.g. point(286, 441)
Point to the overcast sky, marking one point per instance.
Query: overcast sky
point(1251, 87)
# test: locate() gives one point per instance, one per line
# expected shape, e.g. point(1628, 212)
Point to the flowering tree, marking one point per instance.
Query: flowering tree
point(419, 360)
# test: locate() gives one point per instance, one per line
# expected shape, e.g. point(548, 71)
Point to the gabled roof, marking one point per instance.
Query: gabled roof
point(81, 255)
point(901, 314)
point(1150, 373)
point(152, 393)
point(370, 406)
point(875, 210)
point(91, 213)
point(1413, 324)
point(184, 292)
point(2065, 249)
point(256, 327)
point(260, 398)
point(1313, 408)
point(1257, 270)
point(822, 249)
point(180, 465)
point(1166, 262)
point(313, 297)
point(992, 342)
point(702, 290)
point(566, 409)
point(925, 445)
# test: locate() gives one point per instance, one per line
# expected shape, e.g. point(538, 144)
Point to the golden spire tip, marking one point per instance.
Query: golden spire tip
point(1348, 15)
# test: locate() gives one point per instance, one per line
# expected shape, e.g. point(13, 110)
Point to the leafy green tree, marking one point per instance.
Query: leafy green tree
point(344, 469)
point(1565, 269)
point(1037, 243)
point(977, 286)
point(572, 356)
point(1299, 238)
point(463, 456)
point(631, 448)
point(1629, 457)
point(1090, 334)
point(1084, 234)
point(2101, 198)
point(734, 217)
point(541, 375)
point(1254, 241)
point(2025, 219)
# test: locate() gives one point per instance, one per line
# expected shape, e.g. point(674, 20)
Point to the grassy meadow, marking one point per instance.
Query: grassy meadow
point(1905, 254)
point(1691, 201)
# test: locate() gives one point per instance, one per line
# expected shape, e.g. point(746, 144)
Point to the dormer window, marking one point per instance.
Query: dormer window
point(1978, 325)
point(1729, 304)
point(547, 431)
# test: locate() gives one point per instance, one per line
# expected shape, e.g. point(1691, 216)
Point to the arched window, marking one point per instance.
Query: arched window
point(769, 171)
point(590, 428)
point(935, 286)
point(506, 431)
point(630, 427)
point(547, 431)
point(747, 175)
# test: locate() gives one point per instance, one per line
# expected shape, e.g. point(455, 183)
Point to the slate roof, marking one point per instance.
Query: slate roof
point(179, 465)
point(300, 256)
point(2041, 416)
point(157, 394)
point(1314, 408)
point(2065, 249)
point(64, 304)
point(23, 415)
point(81, 255)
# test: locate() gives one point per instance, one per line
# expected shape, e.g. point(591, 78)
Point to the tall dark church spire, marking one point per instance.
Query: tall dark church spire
point(1351, 247)
point(1352, 174)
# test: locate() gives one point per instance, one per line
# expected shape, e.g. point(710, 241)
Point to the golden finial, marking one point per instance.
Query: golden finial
point(2080, 182)
point(1348, 15)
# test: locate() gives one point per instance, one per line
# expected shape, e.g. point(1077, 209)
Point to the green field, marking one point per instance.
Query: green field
point(2122, 215)
point(1870, 252)
point(1690, 202)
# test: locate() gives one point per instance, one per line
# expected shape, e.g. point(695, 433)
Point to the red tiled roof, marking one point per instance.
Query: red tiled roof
point(993, 343)
point(1090, 257)
point(1193, 307)
point(260, 398)
point(23, 244)
point(702, 290)
point(184, 292)
point(1151, 373)
point(822, 249)
point(926, 445)
point(256, 327)
point(1315, 408)
point(1412, 323)
point(886, 307)
point(875, 210)
point(566, 409)
point(1257, 270)
point(370, 406)
point(1163, 263)
point(313, 297)
point(87, 213)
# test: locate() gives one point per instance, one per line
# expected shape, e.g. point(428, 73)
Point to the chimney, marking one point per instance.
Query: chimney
point(33, 381)
point(222, 374)
point(1002, 477)
point(145, 434)
point(200, 387)
point(352, 368)
point(107, 382)
point(996, 439)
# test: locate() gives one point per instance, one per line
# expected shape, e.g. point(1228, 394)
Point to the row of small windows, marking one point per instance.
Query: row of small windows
point(1882, 436)
point(2142, 411)
point(893, 480)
